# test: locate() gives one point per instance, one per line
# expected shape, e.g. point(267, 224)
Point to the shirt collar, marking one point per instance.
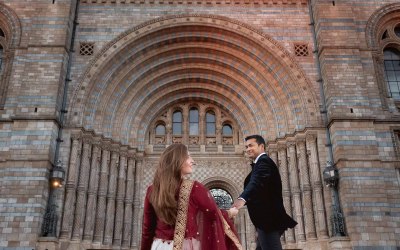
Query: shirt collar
point(255, 161)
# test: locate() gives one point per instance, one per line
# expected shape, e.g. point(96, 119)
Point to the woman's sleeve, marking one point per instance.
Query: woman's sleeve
point(149, 223)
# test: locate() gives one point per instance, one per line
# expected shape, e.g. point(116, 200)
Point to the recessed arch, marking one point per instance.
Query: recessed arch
point(10, 25)
point(223, 183)
point(208, 57)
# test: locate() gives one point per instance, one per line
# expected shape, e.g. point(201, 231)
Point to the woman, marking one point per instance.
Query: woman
point(182, 214)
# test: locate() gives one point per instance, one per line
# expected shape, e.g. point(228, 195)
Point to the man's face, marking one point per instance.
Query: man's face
point(253, 149)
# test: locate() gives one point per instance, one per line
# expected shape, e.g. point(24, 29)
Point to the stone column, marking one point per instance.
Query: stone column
point(316, 183)
point(70, 187)
point(295, 191)
point(168, 127)
point(218, 127)
point(82, 189)
point(185, 125)
point(92, 193)
point(283, 168)
point(130, 189)
point(202, 126)
point(112, 185)
point(119, 215)
point(273, 153)
point(136, 202)
point(103, 186)
point(306, 189)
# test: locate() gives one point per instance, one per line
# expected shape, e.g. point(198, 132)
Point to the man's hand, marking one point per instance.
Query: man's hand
point(239, 203)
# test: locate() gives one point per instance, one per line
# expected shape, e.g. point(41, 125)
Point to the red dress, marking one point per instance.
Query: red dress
point(204, 222)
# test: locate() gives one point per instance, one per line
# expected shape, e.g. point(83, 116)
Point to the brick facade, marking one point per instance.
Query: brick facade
point(288, 70)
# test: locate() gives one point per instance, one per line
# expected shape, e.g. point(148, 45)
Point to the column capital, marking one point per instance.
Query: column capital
point(290, 143)
point(273, 147)
point(87, 139)
point(76, 136)
point(300, 138)
point(311, 137)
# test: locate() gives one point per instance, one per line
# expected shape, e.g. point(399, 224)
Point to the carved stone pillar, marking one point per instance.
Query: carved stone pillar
point(103, 186)
point(119, 215)
point(316, 183)
point(92, 193)
point(82, 189)
point(185, 125)
point(127, 233)
point(70, 187)
point(218, 127)
point(112, 186)
point(273, 154)
point(306, 189)
point(283, 168)
point(169, 127)
point(136, 202)
point(202, 125)
point(295, 191)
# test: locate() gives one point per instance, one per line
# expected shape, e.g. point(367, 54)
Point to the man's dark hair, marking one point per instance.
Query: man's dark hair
point(258, 138)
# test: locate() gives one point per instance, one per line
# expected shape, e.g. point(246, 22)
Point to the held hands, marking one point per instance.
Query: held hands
point(239, 203)
point(232, 212)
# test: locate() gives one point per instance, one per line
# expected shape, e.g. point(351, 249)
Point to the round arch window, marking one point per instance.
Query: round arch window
point(222, 198)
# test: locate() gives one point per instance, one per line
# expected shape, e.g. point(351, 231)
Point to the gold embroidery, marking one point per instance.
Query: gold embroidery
point(229, 232)
point(181, 218)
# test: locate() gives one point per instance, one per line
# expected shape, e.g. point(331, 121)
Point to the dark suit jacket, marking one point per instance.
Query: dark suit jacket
point(263, 195)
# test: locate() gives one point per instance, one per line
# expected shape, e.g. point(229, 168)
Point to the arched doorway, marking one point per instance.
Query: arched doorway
point(205, 81)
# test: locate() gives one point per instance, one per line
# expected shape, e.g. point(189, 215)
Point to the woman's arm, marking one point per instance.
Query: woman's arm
point(149, 223)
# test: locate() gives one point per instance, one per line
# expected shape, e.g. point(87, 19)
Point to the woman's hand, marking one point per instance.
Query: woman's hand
point(232, 212)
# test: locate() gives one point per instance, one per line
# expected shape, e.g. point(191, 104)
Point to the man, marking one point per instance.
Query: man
point(263, 196)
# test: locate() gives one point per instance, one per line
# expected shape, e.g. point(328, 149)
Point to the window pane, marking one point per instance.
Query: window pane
point(390, 76)
point(210, 117)
point(160, 130)
point(392, 71)
point(177, 116)
point(194, 129)
point(210, 123)
point(227, 130)
point(177, 128)
point(210, 128)
point(391, 54)
point(396, 65)
point(194, 115)
point(389, 65)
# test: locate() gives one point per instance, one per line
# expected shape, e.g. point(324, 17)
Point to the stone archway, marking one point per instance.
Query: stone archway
point(188, 61)
point(193, 56)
